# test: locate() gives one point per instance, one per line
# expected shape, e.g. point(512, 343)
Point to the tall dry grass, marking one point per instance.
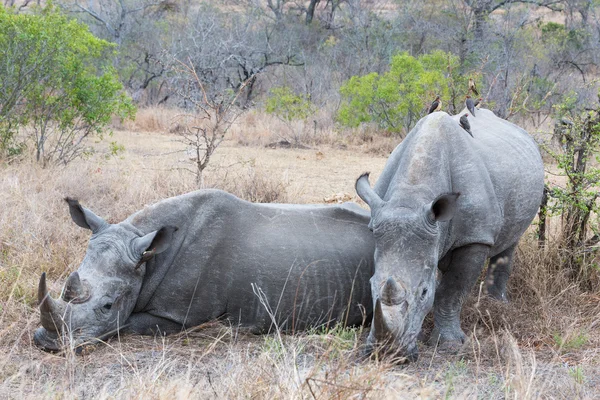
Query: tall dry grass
point(257, 128)
point(543, 344)
point(153, 119)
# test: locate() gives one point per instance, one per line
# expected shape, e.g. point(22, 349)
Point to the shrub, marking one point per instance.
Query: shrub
point(56, 79)
point(397, 99)
point(289, 107)
point(578, 130)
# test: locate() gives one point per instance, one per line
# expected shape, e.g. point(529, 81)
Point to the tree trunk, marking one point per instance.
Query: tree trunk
point(310, 12)
point(543, 217)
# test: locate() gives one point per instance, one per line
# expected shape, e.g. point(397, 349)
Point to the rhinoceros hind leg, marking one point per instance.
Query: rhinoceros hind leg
point(148, 324)
point(498, 273)
point(465, 265)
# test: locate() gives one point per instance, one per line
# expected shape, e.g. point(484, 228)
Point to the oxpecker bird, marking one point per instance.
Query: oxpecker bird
point(464, 123)
point(436, 105)
point(478, 103)
point(472, 86)
point(470, 105)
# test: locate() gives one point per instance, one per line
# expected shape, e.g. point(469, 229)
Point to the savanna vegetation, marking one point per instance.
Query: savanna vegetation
point(122, 103)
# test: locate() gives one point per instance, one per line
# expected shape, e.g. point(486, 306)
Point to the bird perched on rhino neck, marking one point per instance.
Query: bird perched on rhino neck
point(436, 105)
point(472, 87)
point(478, 103)
point(464, 123)
point(470, 105)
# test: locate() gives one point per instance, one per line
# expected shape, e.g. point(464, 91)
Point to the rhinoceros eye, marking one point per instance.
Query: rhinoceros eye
point(423, 294)
point(104, 310)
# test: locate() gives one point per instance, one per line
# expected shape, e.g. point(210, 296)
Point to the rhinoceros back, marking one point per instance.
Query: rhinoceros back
point(263, 265)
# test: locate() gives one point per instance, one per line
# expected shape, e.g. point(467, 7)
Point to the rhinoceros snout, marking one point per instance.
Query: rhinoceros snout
point(390, 347)
point(391, 352)
point(46, 340)
point(413, 354)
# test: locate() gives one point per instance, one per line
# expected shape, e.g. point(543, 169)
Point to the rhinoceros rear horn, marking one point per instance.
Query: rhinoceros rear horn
point(366, 193)
point(392, 293)
point(75, 291)
point(50, 310)
point(84, 217)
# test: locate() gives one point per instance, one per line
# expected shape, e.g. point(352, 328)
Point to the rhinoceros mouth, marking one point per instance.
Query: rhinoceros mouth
point(52, 342)
point(47, 340)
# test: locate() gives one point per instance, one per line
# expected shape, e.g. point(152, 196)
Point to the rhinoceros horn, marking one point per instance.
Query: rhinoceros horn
point(50, 310)
point(74, 291)
point(392, 293)
point(388, 310)
point(379, 321)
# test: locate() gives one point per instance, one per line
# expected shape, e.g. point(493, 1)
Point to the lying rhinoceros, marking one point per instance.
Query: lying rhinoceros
point(208, 255)
point(447, 201)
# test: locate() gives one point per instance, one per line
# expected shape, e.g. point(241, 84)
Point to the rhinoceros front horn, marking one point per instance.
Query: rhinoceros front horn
point(50, 310)
point(379, 321)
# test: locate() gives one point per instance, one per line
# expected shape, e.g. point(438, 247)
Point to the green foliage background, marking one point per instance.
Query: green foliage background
point(288, 106)
point(57, 77)
point(397, 99)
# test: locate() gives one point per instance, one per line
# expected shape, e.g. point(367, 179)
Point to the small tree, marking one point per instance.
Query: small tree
point(578, 131)
point(289, 108)
point(397, 99)
point(55, 79)
point(204, 129)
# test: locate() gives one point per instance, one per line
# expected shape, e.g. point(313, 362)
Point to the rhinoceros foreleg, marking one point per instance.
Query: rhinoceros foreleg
point(463, 269)
point(147, 324)
point(498, 273)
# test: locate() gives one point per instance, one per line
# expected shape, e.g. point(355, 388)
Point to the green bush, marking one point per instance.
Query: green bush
point(289, 107)
point(56, 79)
point(397, 99)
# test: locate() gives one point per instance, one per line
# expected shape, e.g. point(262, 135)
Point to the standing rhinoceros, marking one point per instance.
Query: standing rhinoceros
point(451, 201)
point(208, 255)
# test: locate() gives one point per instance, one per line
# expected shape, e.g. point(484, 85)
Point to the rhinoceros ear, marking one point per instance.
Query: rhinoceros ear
point(153, 243)
point(365, 192)
point(443, 208)
point(84, 217)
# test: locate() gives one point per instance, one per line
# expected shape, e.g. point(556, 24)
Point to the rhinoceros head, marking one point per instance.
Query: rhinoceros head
point(406, 258)
point(98, 298)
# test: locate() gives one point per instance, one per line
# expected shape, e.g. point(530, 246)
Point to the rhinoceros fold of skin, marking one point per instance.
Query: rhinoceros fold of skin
point(447, 201)
point(208, 255)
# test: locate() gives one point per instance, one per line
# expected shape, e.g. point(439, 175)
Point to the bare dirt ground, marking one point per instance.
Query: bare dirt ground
point(544, 344)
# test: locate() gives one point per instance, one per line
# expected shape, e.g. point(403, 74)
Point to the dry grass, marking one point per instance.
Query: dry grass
point(258, 129)
point(544, 344)
point(250, 183)
point(154, 119)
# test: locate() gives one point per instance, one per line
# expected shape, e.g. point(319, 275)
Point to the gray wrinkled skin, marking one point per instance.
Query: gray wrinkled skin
point(450, 201)
point(208, 254)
